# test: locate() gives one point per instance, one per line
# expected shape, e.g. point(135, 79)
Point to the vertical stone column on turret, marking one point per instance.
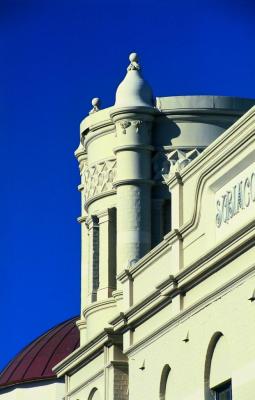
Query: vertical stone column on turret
point(81, 156)
point(133, 116)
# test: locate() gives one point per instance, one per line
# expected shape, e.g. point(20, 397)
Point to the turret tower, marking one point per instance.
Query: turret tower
point(126, 155)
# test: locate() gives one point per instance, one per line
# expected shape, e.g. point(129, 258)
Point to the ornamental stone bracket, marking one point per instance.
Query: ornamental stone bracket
point(166, 164)
point(99, 178)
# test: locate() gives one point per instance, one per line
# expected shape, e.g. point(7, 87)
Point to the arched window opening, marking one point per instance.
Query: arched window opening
point(163, 382)
point(95, 258)
point(112, 244)
point(94, 394)
point(217, 375)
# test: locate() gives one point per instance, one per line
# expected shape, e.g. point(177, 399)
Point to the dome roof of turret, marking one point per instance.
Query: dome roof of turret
point(134, 91)
point(35, 362)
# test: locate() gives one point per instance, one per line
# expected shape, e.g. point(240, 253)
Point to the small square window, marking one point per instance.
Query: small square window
point(223, 392)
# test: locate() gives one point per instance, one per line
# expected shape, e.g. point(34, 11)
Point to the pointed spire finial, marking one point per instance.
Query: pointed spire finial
point(134, 91)
point(96, 104)
point(133, 58)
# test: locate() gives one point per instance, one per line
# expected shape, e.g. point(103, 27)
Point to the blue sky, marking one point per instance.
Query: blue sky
point(55, 56)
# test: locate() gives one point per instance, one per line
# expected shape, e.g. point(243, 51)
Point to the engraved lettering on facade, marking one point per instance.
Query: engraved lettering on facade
point(233, 201)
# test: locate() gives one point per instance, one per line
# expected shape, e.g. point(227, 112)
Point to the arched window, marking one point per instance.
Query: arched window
point(217, 373)
point(163, 382)
point(94, 394)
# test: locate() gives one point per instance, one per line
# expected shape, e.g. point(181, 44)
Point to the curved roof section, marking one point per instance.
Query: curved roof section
point(35, 362)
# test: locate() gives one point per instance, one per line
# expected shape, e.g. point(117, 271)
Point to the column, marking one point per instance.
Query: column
point(133, 183)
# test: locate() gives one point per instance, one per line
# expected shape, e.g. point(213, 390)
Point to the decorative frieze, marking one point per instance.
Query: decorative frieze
point(165, 164)
point(99, 177)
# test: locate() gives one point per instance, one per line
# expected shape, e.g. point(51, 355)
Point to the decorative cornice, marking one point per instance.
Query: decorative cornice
point(187, 313)
point(91, 379)
point(81, 324)
point(156, 301)
point(188, 278)
point(136, 147)
point(197, 113)
point(105, 127)
point(133, 181)
point(99, 196)
point(98, 306)
point(84, 354)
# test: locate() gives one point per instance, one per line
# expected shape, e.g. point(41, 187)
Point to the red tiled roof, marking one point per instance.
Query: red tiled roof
point(35, 362)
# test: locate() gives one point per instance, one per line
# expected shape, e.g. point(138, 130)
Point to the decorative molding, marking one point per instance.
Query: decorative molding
point(98, 306)
point(105, 127)
point(137, 123)
point(81, 156)
point(133, 181)
point(91, 379)
point(84, 354)
point(100, 196)
point(193, 309)
point(99, 178)
point(136, 147)
point(183, 281)
point(166, 165)
point(125, 124)
point(238, 136)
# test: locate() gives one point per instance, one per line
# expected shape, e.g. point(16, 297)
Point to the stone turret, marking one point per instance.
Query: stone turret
point(127, 153)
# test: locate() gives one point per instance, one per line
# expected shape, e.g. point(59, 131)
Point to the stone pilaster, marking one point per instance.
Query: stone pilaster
point(116, 374)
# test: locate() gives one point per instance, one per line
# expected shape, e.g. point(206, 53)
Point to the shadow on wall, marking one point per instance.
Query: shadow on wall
point(163, 382)
point(166, 130)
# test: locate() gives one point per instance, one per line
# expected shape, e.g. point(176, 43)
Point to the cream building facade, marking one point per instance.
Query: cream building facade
point(168, 258)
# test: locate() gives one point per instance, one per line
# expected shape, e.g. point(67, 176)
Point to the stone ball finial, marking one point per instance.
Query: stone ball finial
point(133, 58)
point(96, 104)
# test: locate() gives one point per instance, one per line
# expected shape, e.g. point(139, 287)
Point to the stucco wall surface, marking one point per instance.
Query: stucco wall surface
point(37, 390)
